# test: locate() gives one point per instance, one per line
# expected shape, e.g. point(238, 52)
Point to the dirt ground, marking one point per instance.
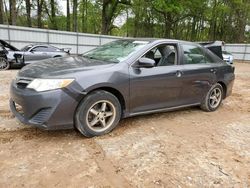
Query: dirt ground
point(185, 148)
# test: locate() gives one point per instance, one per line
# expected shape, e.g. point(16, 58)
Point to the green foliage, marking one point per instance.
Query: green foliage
point(194, 20)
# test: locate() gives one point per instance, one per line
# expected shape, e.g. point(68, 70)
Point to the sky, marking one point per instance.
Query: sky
point(63, 5)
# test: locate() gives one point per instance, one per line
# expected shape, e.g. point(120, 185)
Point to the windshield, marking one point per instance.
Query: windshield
point(115, 51)
point(26, 48)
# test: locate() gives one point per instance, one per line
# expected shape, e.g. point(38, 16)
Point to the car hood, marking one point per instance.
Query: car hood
point(56, 67)
point(7, 45)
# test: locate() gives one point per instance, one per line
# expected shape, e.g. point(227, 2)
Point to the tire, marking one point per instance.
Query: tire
point(97, 114)
point(213, 98)
point(4, 64)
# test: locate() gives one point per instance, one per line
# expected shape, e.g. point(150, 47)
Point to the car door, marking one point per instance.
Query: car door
point(199, 72)
point(53, 52)
point(36, 53)
point(156, 87)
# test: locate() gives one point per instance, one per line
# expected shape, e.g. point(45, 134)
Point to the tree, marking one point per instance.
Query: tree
point(39, 13)
point(13, 12)
point(53, 14)
point(68, 15)
point(75, 5)
point(28, 11)
point(1, 12)
point(108, 11)
point(84, 14)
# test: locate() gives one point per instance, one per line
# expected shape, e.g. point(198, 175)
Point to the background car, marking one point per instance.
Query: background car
point(11, 56)
point(228, 57)
point(6, 54)
point(32, 53)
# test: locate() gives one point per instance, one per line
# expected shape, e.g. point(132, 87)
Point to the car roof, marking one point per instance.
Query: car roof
point(40, 44)
point(156, 40)
point(151, 39)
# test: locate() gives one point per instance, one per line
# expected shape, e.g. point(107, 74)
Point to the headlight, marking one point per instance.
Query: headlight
point(49, 84)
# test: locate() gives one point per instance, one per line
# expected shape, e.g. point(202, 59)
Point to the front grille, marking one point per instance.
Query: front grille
point(41, 116)
point(22, 83)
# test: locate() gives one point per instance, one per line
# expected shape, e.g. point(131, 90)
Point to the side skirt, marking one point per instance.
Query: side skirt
point(161, 110)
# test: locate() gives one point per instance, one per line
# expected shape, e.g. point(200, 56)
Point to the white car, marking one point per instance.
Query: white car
point(228, 57)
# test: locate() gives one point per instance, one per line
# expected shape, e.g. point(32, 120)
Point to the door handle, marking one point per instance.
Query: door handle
point(178, 74)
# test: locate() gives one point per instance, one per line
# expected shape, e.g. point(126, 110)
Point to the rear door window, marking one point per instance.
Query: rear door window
point(193, 54)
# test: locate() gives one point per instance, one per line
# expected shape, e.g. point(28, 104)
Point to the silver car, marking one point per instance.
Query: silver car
point(12, 56)
point(228, 57)
point(32, 53)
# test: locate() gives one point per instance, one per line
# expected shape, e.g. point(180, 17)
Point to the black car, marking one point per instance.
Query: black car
point(124, 78)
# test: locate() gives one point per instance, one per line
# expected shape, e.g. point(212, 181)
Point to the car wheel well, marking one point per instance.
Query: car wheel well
point(4, 56)
point(224, 88)
point(116, 93)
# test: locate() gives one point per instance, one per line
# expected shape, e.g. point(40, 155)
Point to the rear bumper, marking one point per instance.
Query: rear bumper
point(48, 110)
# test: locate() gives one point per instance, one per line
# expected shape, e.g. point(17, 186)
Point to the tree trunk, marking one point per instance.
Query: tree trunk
point(53, 14)
point(13, 12)
point(193, 31)
point(28, 10)
point(75, 15)
point(168, 25)
point(39, 13)
point(213, 22)
point(68, 15)
point(105, 23)
point(108, 10)
point(1, 12)
point(84, 15)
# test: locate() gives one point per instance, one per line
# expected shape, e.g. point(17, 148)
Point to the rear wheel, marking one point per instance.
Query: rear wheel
point(213, 98)
point(4, 64)
point(97, 114)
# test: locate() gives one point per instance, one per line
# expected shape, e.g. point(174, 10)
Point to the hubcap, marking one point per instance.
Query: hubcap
point(3, 64)
point(215, 97)
point(101, 115)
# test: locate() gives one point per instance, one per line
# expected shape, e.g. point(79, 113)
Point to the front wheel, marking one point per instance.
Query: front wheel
point(97, 114)
point(213, 98)
point(4, 64)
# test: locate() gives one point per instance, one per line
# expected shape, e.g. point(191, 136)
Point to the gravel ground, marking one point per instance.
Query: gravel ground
point(185, 148)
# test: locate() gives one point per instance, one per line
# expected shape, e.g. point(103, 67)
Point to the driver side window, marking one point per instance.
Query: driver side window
point(163, 55)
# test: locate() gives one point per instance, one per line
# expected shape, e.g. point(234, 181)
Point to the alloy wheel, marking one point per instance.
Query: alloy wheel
point(3, 64)
point(215, 97)
point(101, 115)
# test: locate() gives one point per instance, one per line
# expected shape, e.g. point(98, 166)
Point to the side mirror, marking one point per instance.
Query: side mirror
point(146, 62)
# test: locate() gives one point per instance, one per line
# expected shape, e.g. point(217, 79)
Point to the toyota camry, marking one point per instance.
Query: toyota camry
point(124, 78)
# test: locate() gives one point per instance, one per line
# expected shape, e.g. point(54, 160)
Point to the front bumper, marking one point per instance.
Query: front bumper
point(48, 110)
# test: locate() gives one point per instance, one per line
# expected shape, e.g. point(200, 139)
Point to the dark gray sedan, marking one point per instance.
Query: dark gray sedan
point(124, 78)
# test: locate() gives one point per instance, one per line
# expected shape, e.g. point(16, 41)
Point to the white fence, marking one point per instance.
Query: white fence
point(81, 42)
point(78, 42)
point(239, 51)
